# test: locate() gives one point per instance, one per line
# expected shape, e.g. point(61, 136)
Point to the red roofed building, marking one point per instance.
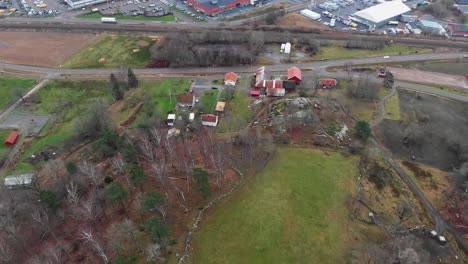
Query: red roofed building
point(458, 30)
point(214, 6)
point(259, 76)
point(209, 120)
point(294, 74)
point(230, 79)
point(12, 138)
point(185, 100)
point(255, 93)
point(328, 83)
point(274, 88)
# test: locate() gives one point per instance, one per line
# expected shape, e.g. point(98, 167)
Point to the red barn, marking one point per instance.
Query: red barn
point(12, 138)
point(294, 74)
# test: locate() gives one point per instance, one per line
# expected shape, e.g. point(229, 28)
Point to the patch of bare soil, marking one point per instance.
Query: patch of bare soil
point(142, 43)
point(297, 20)
point(41, 48)
point(432, 129)
point(432, 78)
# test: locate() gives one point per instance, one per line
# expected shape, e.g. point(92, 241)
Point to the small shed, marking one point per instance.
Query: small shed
point(18, 181)
point(220, 106)
point(328, 83)
point(230, 79)
point(209, 120)
point(294, 74)
point(255, 93)
point(191, 117)
point(171, 119)
point(12, 138)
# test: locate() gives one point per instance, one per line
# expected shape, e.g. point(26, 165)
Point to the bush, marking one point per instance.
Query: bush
point(50, 199)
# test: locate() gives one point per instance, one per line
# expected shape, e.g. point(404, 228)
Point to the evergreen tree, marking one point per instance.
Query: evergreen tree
point(137, 175)
point(132, 79)
point(117, 93)
point(363, 129)
point(116, 193)
point(203, 185)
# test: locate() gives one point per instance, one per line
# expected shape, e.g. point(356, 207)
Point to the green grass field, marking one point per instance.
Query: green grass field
point(97, 15)
point(294, 211)
point(335, 52)
point(160, 95)
point(8, 86)
point(392, 107)
point(208, 100)
point(238, 111)
point(113, 51)
point(66, 100)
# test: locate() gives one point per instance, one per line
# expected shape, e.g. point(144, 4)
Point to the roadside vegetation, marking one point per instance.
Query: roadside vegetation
point(335, 52)
point(113, 51)
point(292, 212)
point(12, 89)
point(166, 18)
point(392, 107)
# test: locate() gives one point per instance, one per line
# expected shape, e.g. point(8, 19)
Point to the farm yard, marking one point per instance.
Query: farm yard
point(113, 51)
point(257, 225)
point(34, 48)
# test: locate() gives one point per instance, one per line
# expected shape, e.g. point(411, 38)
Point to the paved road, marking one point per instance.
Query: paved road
point(239, 69)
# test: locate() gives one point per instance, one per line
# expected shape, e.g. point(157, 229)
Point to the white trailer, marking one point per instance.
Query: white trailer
point(108, 20)
point(310, 14)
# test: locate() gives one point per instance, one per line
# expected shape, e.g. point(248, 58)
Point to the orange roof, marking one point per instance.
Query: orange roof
point(209, 118)
point(294, 72)
point(12, 137)
point(230, 76)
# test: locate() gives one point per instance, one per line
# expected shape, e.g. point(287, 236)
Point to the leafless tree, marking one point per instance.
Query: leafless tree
point(41, 217)
point(90, 240)
point(156, 135)
point(119, 165)
point(55, 253)
point(248, 137)
point(90, 171)
point(159, 167)
point(88, 208)
point(73, 196)
point(7, 252)
point(124, 237)
point(147, 148)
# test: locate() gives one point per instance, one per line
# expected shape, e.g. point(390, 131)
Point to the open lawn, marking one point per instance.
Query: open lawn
point(361, 109)
point(294, 211)
point(392, 107)
point(238, 111)
point(8, 85)
point(208, 100)
point(335, 52)
point(160, 97)
point(113, 51)
point(66, 101)
point(167, 18)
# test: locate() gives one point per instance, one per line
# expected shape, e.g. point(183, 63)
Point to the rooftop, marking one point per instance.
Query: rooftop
point(383, 11)
point(220, 106)
point(459, 27)
point(209, 118)
point(294, 72)
point(185, 98)
point(209, 5)
point(22, 179)
point(230, 76)
point(430, 24)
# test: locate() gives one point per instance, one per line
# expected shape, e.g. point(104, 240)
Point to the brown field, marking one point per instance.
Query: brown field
point(40, 48)
point(297, 20)
point(431, 78)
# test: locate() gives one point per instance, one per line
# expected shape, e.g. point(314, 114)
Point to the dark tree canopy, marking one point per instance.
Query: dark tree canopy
point(156, 229)
point(153, 200)
point(363, 129)
point(115, 192)
point(203, 184)
point(50, 199)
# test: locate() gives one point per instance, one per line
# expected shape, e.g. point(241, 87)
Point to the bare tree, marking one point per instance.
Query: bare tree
point(73, 196)
point(7, 252)
point(147, 148)
point(88, 208)
point(156, 136)
point(248, 137)
point(42, 218)
point(90, 240)
point(124, 237)
point(159, 167)
point(90, 171)
point(55, 253)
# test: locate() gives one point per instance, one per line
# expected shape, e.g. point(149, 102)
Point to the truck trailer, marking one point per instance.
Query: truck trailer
point(108, 20)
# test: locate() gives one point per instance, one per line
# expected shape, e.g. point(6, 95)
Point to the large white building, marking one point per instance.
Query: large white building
point(379, 15)
point(82, 3)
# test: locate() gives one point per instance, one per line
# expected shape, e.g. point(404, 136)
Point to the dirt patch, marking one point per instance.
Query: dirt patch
point(45, 153)
point(432, 131)
point(142, 43)
point(102, 59)
point(432, 78)
point(41, 48)
point(297, 20)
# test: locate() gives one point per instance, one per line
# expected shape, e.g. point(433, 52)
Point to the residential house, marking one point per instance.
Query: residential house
point(171, 119)
point(220, 107)
point(209, 120)
point(230, 79)
point(185, 100)
point(328, 83)
point(294, 74)
point(12, 138)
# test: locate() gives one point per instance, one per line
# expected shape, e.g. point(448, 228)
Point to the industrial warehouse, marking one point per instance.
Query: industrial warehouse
point(379, 15)
point(213, 6)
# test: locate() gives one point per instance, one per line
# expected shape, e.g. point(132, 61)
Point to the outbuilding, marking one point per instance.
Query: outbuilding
point(12, 138)
point(209, 120)
point(220, 106)
point(458, 30)
point(230, 79)
point(431, 27)
point(294, 74)
point(379, 15)
point(255, 93)
point(171, 119)
point(328, 83)
point(19, 181)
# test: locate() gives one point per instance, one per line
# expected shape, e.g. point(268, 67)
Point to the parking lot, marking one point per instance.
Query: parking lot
point(41, 7)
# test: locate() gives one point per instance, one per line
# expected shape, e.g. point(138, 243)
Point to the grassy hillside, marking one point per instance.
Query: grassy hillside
point(292, 212)
point(7, 87)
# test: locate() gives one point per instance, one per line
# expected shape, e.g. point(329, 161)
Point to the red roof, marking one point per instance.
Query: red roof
point(185, 98)
point(255, 93)
point(209, 118)
point(230, 76)
point(11, 139)
point(328, 82)
point(294, 72)
point(270, 84)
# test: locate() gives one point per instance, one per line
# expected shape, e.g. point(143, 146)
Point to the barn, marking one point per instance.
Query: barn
point(294, 74)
